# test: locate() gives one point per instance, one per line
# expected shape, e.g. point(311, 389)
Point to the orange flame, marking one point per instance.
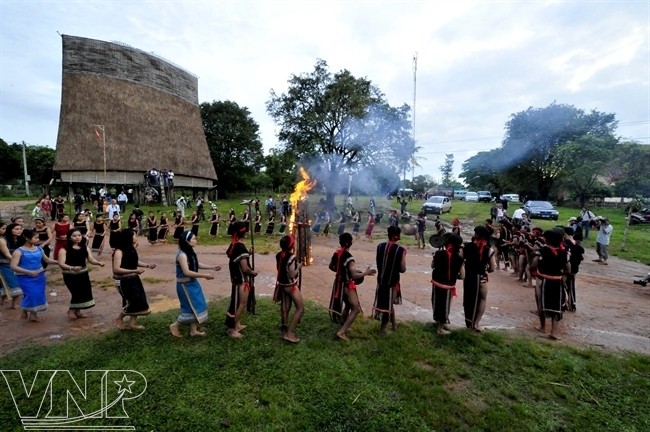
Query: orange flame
point(299, 194)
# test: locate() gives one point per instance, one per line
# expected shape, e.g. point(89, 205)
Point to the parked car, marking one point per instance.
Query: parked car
point(540, 210)
point(437, 205)
point(460, 194)
point(641, 216)
point(471, 197)
point(510, 197)
point(484, 196)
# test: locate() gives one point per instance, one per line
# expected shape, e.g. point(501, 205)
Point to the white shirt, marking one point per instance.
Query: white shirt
point(111, 209)
point(122, 197)
point(604, 233)
point(518, 213)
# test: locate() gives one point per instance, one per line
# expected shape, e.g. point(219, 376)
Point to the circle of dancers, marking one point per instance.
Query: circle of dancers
point(551, 257)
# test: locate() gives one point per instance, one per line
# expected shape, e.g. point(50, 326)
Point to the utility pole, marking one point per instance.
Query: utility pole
point(27, 178)
point(415, 73)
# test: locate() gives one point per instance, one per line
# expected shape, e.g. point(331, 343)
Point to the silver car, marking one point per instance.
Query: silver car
point(437, 205)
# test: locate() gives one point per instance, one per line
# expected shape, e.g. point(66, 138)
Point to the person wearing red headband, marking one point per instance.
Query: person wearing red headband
point(286, 288)
point(479, 261)
point(240, 277)
point(344, 291)
point(447, 267)
point(550, 264)
point(391, 261)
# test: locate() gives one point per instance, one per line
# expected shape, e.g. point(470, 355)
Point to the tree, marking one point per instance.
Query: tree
point(423, 183)
point(11, 162)
point(486, 170)
point(281, 168)
point(40, 161)
point(629, 170)
point(586, 158)
point(534, 136)
point(336, 124)
point(447, 170)
point(234, 144)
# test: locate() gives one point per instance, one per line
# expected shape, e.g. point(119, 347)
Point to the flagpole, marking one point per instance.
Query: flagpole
point(101, 127)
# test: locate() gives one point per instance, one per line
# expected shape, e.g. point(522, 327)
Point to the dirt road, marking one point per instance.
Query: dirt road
point(612, 313)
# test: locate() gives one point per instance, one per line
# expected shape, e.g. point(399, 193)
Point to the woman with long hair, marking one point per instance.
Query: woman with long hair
point(27, 262)
point(98, 234)
point(72, 260)
point(163, 228)
point(258, 222)
point(127, 269)
point(240, 278)
point(115, 226)
point(9, 241)
point(214, 223)
point(447, 267)
point(195, 221)
point(45, 236)
point(179, 225)
point(133, 223)
point(152, 227)
point(61, 228)
point(194, 308)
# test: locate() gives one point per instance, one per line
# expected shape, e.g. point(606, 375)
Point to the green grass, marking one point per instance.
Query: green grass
point(412, 380)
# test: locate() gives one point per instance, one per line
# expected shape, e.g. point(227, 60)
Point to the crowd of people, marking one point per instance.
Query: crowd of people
point(546, 260)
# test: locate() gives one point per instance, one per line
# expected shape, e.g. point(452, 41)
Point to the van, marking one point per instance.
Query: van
point(460, 194)
point(484, 196)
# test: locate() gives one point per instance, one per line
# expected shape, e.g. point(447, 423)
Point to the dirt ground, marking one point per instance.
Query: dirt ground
point(612, 313)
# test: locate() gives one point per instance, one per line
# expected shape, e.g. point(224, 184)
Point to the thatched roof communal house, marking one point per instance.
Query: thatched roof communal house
point(148, 108)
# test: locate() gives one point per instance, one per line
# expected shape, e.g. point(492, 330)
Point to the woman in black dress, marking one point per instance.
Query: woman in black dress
point(152, 226)
point(98, 235)
point(134, 223)
point(195, 223)
point(45, 236)
point(163, 228)
point(214, 223)
point(179, 225)
point(258, 222)
point(127, 269)
point(115, 226)
point(72, 260)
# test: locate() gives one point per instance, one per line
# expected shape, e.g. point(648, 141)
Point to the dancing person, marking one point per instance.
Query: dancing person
point(127, 269)
point(455, 228)
point(194, 308)
point(356, 220)
point(283, 224)
point(81, 223)
point(550, 264)
point(163, 228)
point(115, 227)
point(61, 228)
point(371, 225)
point(214, 223)
point(152, 228)
point(9, 241)
point(258, 221)
point(447, 267)
point(576, 255)
point(98, 234)
point(45, 236)
point(391, 261)
point(287, 291)
point(231, 220)
point(178, 226)
point(241, 274)
point(195, 222)
point(133, 223)
point(270, 225)
point(27, 262)
point(72, 260)
point(478, 263)
point(344, 301)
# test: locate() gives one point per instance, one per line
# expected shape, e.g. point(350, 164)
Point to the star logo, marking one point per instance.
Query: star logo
point(125, 385)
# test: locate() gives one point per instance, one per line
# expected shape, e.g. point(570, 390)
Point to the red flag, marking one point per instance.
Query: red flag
point(97, 133)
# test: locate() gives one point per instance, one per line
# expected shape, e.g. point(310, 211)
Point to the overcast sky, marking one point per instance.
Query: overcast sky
point(478, 61)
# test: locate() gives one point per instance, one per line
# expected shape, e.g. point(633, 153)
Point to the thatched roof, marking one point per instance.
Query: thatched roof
point(148, 108)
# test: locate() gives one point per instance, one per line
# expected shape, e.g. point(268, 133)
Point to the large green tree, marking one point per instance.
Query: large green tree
point(447, 170)
point(281, 169)
point(629, 169)
point(534, 136)
point(11, 162)
point(234, 144)
point(337, 124)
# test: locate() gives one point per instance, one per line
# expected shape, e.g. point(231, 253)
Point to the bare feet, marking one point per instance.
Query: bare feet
point(541, 330)
point(240, 327)
point(119, 323)
point(342, 336)
point(136, 327)
point(23, 314)
point(554, 337)
point(290, 337)
point(80, 315)
point(173, 329)
point(72, 315)
point(234, 334)
point(477, 329)
point(197, 333)
point(442, 331)
point(34, 318)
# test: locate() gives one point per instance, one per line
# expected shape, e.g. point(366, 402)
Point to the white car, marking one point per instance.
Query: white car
point(510, 197)
point(437, 205)
point(471, 197)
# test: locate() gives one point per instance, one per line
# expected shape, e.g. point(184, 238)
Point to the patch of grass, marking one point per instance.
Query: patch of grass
point(411, 380)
